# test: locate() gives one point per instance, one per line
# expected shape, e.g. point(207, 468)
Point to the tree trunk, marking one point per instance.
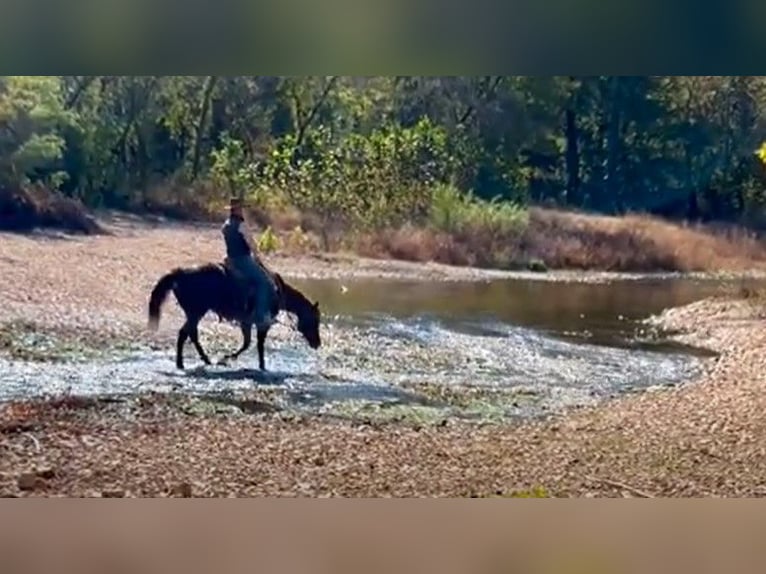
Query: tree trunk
point(204, 107)
point(612, 187)
point(572, 152)
point(305, 123)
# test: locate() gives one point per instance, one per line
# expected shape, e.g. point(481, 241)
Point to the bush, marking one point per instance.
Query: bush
point(455, 212)
point(27, 208)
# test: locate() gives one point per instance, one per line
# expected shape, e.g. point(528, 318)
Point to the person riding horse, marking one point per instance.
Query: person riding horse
point(241, 257)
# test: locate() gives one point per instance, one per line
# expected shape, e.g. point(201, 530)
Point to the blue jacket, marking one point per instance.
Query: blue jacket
point(236, 246)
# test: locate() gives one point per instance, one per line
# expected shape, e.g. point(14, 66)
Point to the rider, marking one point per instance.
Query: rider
point(241, 253)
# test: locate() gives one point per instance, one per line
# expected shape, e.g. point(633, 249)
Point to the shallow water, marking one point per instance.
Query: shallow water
point(600, 313)
point(529, 347)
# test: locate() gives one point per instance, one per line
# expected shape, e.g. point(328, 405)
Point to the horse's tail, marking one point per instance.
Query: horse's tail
point(160, 292)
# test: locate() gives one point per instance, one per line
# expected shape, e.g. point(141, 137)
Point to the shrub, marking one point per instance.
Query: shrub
point(26, 208)
point(455, 212)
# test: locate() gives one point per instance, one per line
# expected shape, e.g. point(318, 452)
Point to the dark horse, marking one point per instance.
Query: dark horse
point(213, 287)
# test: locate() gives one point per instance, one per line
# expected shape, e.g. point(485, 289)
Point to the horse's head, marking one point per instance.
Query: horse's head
point(307, 312)
point(308, 324)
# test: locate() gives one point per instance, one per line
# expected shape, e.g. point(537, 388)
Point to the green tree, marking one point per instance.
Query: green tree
point(32, 115)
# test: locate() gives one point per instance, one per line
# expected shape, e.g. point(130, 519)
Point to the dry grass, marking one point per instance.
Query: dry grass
point(638, 243)
point(565, 240)
point(414, 244)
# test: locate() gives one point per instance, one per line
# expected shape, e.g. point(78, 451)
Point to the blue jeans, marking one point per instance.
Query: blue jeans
point(260, 284)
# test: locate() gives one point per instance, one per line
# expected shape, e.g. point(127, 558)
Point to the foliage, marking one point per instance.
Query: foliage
point(381, 178)
point(367, 153)
point(228, 170)
point(268, 241)
point(31, 119)
point(456, 212)
point(297, 240)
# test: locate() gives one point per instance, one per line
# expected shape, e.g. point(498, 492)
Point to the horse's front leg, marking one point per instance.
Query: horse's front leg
point(247, 338)
point(261, 335)
point(193, 333)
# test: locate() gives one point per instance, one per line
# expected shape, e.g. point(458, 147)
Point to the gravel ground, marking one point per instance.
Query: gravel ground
point(706, 438)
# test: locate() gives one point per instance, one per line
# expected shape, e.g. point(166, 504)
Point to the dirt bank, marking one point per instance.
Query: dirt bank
point(702, 439)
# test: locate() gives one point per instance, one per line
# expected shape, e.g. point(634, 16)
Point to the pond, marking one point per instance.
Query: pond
point(424, 350)
point(596, 313)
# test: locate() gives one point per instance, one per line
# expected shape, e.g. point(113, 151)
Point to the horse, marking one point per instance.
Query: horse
point(213, 287)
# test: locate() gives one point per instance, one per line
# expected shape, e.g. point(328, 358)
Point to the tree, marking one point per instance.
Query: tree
point(31, 116)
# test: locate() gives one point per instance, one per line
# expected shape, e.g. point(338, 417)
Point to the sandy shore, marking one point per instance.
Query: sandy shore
point(706, 438)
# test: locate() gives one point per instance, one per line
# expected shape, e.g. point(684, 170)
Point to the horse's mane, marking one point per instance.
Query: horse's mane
point(287, 290)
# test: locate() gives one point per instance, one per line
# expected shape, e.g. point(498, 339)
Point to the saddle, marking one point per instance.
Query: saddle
point(229, 269)
point(241, 281)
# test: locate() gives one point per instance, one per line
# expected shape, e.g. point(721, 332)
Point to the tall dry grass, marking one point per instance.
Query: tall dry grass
point(639, 243)
point(564, 240)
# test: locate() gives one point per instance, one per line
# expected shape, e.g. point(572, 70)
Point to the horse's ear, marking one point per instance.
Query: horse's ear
point(316, 305)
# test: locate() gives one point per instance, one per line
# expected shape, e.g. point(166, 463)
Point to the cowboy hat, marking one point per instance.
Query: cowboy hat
point(236, 203)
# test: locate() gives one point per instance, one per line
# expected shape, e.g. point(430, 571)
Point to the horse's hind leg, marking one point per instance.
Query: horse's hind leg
point(182, 336)
point(247, 337)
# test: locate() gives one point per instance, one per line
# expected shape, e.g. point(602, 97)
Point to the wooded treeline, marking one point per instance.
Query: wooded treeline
point(374, 148)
